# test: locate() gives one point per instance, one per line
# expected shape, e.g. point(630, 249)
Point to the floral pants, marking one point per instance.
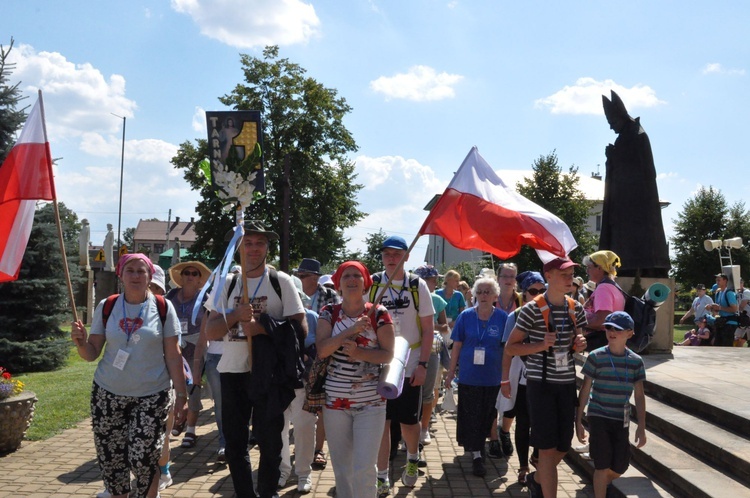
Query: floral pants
point(128, 435)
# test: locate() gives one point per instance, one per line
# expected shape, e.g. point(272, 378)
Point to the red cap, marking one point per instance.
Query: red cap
point(559, 264)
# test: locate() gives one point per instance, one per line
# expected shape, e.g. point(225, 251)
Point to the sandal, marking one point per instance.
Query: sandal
point(320, 461)
point(522, 475)
point(189, 440)
point(178, 428)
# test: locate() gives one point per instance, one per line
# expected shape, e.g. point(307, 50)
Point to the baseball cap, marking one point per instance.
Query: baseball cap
point(394, 242)
point(700, 287)
point(619, 320)
point(722, 275)
point(559, 264)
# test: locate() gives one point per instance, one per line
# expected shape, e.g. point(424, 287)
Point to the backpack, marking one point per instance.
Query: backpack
point(541, 302)
point(161, 306)
point(273, 277)
point(413, 288)
point(643, 314)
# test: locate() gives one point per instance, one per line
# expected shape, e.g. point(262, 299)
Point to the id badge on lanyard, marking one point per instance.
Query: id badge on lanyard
point(626, 415)
point(561, 354)
point(479, 353)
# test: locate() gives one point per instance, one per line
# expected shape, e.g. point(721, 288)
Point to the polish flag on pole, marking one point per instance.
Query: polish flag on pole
point(478, 211)
point(25, 177)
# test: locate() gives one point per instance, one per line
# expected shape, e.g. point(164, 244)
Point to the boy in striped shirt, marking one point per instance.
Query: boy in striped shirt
point(611, 374)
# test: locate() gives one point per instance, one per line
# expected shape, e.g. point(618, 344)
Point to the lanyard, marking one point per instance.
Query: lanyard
point(390, 289)
point(258, 287)
point(488, 324)
point(130, 329)
point(554, 323)
point(615, 370)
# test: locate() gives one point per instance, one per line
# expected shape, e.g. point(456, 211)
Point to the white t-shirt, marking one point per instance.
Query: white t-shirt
point(235, 358)
point(398, 300)
point(700, 303)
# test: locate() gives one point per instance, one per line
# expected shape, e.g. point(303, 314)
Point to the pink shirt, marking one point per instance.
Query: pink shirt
point(606, 297)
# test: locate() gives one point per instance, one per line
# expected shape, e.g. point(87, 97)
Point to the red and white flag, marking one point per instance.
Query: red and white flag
point(478, 211)
point(25, 177)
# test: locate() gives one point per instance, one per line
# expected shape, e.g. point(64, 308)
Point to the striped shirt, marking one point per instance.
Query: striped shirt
point(352, 385)
point(611, 388)
point(531, 322)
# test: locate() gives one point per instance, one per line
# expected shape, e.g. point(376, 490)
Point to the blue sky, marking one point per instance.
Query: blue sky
point(427, 80)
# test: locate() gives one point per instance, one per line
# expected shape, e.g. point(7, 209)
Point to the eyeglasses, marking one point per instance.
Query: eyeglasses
point(534, 292)
point(612, 327)
point(485, 292)
point(191, 273)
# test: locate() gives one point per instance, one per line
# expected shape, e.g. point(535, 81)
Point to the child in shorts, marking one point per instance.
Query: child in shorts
point(611, 374)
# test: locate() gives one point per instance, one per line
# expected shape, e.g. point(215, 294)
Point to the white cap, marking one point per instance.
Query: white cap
point(158, 278)
point(325, 279)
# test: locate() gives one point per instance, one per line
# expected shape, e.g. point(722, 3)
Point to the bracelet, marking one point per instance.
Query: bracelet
point(181, 395)
point(503, 382)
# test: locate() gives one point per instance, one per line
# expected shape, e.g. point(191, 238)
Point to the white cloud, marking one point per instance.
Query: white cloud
point(420, 83)
point(585, 97)
point(717, 68)
point(78, 98)
point(250, 24)
point(199, 120)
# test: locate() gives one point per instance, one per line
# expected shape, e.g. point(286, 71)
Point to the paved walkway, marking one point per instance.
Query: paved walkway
point(65, 466)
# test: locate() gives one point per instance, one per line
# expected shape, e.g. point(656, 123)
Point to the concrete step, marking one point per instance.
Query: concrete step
point(683, 473)
point(632, 483)
point(715, 445)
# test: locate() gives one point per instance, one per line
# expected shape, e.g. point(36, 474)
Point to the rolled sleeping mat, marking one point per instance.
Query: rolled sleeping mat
point(656, 294)
point(392, 374)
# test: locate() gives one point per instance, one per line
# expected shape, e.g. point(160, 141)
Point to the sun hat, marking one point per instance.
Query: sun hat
point(590, 286)
point(309, 265)
point(175, 272)
point(619, 320)
point(251, 227)
point(158, 278)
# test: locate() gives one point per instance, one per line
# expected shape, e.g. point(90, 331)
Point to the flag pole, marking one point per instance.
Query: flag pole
point(57, 215)
point(400, 265)
point(240, 218)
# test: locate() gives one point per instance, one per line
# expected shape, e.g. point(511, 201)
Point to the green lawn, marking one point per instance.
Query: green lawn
point(63, 396)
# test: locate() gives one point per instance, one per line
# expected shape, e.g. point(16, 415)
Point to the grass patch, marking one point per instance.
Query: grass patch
point(64, 396)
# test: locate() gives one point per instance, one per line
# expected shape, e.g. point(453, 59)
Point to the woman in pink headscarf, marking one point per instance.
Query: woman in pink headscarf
point(354, 414)
point(132, 389)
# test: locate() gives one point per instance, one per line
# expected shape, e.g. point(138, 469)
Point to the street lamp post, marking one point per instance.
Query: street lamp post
point(122, 170)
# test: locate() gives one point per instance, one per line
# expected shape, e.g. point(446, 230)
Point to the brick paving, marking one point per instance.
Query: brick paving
point(65, 466)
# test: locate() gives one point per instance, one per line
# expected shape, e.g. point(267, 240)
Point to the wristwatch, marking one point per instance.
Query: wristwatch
point(422, 363)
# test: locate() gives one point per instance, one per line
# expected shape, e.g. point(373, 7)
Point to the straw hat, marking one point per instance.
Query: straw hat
point(175, 272)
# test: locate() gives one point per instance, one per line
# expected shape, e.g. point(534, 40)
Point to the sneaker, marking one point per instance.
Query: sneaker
point(104, 494)
point(283, 478)
point(586, 456)
point(304, 485)
point(477, 467)
point(495, 451)
point(411, 473)
point(384, 487)
point(506, 444)
point(165, 480)
point(535, 489)
point(424, 437)
point(584, 448)
point(221, 456)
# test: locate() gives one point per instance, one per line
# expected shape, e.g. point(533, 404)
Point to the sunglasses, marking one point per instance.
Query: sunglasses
point(191, 274)
point(483, 292)
point(612, 327)
point(534, 292)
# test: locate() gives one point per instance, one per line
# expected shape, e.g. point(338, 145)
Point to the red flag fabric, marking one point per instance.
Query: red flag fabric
point(478, 211)
point(25, 177)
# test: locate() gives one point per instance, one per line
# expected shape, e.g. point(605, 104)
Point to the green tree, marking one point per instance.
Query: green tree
point(371, 257)
point(558, 193)
point(34, 306)
point(707, 216)
point(11, 118)
point(302, 121)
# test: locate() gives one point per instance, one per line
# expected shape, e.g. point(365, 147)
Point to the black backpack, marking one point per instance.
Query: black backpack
point(643, 314)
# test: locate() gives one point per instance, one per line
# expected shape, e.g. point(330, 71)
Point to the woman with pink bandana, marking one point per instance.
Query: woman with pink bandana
point(132, 388)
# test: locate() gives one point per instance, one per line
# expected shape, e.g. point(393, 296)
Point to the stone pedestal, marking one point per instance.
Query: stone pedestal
point(16, 414)
point(106, 285)
point(663, 339)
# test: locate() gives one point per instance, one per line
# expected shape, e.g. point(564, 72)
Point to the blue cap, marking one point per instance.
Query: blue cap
point(426, 271)
point(394, 242)
point(619, 320)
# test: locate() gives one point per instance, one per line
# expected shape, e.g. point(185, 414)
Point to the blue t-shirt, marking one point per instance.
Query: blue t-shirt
point(439, 304)
point(312, 327)
point(611, 387)
point(455, 303)
point(725, 299)
point(473, 333)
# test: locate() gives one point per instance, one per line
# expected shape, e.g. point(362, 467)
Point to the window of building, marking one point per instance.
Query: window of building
point(158, 248)
point(598, 223)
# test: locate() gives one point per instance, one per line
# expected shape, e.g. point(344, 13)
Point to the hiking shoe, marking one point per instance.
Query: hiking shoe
point(424, 437)
point(283, 478)
point(477, 467)
point(304, 485)
point(535, 489)
point(411, 473)
point(584, 448)
point(506, 444)
point(495, 451)
point(165, 480)
point(221, 456)
point(384, 487)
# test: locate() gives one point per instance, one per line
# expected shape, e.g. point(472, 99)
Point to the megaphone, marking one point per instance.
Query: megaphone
point(709, 245)
point(734, 243)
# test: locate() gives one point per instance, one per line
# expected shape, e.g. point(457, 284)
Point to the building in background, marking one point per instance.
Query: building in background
point(157, 237)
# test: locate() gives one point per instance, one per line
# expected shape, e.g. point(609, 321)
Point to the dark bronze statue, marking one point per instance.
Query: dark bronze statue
point(631, 219)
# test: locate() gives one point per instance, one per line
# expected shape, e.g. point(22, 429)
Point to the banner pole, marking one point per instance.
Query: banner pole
point(243, 263)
